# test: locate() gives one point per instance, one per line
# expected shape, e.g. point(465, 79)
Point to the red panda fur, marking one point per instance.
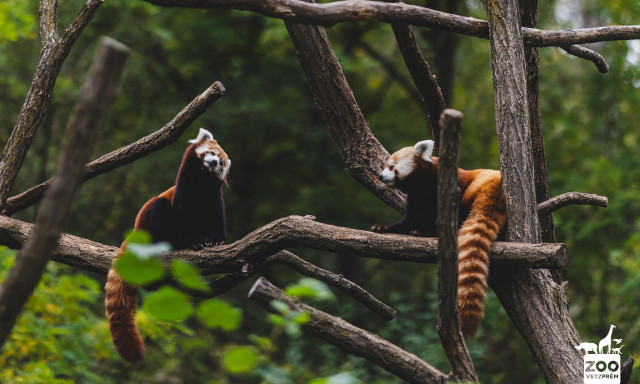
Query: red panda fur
point(482, 216)
point(189, 214)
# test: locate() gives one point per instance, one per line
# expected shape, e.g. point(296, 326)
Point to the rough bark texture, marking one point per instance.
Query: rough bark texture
point(328, 14)
point(30, 263)
point(134, 151)
point(362, 153)
point(54, 51)
point(543, 318)
point(350, 338)
point(287, 232)
point(448, 201)
point(530, 19)
point(422, 77)
point(571, 198)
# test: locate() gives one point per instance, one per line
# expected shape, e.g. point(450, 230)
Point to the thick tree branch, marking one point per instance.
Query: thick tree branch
point(52, 56)
point(134, 151)
point(350, 338)
point(31, 261)
point(571, 198)
point(448, 201)
point(288, 232)
point(588, 54)
point(328, 14)
point(536, 304)
point(362, 153)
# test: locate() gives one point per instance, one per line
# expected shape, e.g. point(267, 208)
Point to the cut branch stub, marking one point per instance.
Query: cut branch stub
point(448, 201)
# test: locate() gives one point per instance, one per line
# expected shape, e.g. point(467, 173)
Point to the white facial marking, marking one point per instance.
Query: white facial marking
point(200, 150)
point(387, 176)
point(404, 167)
point(202, 134)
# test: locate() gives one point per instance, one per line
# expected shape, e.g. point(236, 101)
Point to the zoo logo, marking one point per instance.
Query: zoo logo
point(602, 360)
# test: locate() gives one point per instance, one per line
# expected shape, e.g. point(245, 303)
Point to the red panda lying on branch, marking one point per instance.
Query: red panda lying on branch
point(188, 215)
point(482, 214)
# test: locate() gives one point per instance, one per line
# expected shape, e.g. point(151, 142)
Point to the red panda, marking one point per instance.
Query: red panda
point(188, 215)
point(413, 171)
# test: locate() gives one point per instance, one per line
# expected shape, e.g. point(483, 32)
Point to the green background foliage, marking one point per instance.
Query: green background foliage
point(285, 163)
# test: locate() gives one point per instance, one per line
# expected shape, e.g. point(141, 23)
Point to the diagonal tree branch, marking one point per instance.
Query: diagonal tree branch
point(52, 56)
point(345, 121)
point(352, 339)
point(423, 79)
point(231, 280)
point(32, 259)
point(134, 151)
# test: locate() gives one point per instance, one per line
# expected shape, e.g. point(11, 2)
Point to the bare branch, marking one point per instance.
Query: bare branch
point(134, 151)
point(288, 232)
point(571, 198)
point(231, 280)
point(36, 102)
point(588, 54)
point(30, 263)
point(328, 14)
point(337, 281)
point(447, 222)
point(423, 79)
point(362, 153)
point(48, 24)
point(350, 338)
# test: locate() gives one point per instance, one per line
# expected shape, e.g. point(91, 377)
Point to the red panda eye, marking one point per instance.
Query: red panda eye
point(391, 167)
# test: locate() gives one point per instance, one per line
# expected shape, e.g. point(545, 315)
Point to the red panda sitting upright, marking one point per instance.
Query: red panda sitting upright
point(188, 215)
point(482, 214)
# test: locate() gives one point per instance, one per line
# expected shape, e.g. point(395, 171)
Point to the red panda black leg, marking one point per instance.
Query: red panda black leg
point(158, 218)
point(419, 233)
point(401, 227)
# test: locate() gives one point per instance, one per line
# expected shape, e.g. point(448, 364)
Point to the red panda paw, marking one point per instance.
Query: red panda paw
point(418, 233)
point(213, 243)
point(381, 228)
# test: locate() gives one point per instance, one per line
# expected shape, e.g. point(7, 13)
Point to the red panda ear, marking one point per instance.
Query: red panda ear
point(424, 149)
point(203, 135)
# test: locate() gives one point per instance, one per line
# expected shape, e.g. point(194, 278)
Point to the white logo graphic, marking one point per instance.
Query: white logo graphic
point(602, 360)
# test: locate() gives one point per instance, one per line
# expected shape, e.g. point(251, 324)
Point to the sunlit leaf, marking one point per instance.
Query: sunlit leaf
point(138, 271)
point(188, 275)
point(240, 359)
point(169, 304)
point(219, 314)
point(308, 287)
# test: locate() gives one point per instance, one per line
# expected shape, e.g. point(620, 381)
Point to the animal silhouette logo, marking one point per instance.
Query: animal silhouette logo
point(602, 360)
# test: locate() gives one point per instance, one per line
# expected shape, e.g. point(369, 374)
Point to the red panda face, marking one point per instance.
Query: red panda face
point(214, 158)
point(404, 162)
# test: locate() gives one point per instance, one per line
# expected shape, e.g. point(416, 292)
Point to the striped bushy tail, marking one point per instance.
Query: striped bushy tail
point(120, 302)
point(477, 235)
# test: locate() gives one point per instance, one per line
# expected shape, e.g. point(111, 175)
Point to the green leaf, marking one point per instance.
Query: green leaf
point(138, 271)
point(308, 287)
point(240, 359)
point(168, 304)
point(188, 275)
point(219, 314)
point(138, 236)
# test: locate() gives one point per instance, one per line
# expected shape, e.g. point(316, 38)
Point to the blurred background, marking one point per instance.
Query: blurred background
point(285, 163)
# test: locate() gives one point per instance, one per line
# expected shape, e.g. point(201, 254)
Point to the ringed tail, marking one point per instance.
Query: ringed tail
point(477, 235)
point(120, 302)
